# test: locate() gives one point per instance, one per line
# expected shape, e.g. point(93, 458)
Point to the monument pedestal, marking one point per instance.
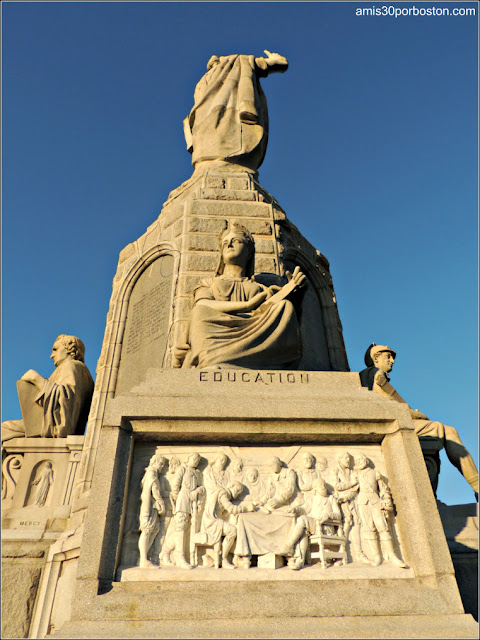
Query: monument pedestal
point(252, 415)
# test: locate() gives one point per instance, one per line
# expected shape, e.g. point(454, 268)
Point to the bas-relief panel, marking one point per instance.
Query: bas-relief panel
point(243, 507)
point(146, 327)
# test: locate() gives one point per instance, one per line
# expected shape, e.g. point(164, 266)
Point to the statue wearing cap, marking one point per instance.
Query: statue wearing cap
point(379, 360)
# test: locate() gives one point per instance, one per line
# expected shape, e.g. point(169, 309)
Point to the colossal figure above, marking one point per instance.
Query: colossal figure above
point(229, 119)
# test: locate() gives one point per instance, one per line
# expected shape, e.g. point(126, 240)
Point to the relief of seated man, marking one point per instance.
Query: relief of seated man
point(237, 322)
point(310, 520)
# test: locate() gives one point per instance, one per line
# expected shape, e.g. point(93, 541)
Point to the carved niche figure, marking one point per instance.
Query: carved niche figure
point(346, 489)
point(43, 484)
point(281, 486)
point(374, 501)
point(216, 475)
point(214, 527)
point(238, 322)
point(229, 120)
point(237, 469)
point(186, 492)
point(152, 507)
point(379, 360)
point(256, 487)
point(306, 477)
point(64, 398)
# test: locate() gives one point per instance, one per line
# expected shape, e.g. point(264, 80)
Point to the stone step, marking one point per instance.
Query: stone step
point(431, 626)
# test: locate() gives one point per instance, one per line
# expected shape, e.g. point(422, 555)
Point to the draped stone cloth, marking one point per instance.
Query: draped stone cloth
point(259, 533)
point(229, 119)
point(213, 526)
point(65, 400)
point(268, 338)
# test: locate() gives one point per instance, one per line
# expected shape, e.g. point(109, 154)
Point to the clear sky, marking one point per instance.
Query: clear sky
point(372, 153)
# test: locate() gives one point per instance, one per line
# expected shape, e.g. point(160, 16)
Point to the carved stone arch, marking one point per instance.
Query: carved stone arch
point(323, 346)
point(143, 315)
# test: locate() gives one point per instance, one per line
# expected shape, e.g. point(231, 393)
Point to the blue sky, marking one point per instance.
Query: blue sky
point(372, 153)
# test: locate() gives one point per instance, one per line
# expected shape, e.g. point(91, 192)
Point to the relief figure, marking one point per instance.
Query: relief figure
point(346, 489)
point(43, 484)
point(186, 492)
point(216, 475)
point(374, 501)
point(318, 509)
point(214, 525)
point(151, 509)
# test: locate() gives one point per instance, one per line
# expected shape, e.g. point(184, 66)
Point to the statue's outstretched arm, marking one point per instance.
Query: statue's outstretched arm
point(273, 63)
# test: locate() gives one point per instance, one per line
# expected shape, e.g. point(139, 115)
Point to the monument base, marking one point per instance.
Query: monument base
point(415, 626)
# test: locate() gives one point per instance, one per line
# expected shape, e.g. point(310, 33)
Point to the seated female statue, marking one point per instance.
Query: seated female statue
point(237, 322)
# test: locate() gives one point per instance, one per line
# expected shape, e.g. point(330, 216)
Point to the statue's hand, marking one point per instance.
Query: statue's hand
point(33, 377)
point(271, 504)
point(296, 280)
point(275, 58)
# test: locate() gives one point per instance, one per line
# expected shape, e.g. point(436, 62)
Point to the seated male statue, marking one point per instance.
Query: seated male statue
point(61, 402)
point(379, 360)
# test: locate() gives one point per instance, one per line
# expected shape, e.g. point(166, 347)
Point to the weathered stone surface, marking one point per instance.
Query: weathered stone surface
point(201, 262)
point(265, 264)
point(214, 225)
point(20, 580)
point(230, 209)
point(227, 194)
point(201, 242)
point(377, 626)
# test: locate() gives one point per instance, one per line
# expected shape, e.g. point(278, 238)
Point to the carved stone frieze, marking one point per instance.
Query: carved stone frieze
point(244, 507)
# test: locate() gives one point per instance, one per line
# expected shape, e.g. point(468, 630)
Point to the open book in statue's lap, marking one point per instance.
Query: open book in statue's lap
point(238, 322)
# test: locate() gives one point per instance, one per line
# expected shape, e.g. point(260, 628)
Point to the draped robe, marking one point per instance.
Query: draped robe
point(267, 338)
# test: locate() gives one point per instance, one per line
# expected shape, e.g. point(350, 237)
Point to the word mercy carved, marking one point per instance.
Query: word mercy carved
point(230, 507)
point(264, 377)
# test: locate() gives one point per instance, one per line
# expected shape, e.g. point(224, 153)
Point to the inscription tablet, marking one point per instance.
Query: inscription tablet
point(146, 328)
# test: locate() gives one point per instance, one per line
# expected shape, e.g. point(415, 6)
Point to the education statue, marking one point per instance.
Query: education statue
point(236, 322)
point(228, 123)
point(379, 360)
point(57, 407)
